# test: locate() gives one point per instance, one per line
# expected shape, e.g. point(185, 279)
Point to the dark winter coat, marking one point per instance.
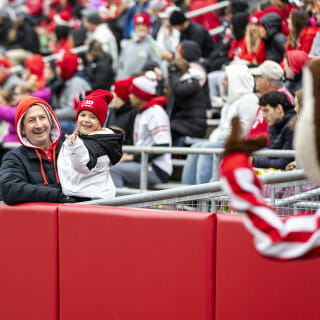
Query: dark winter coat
point(275, 40)
point(26, 39)
point(100, 72)
point(124, 119)
point(21, 179)
point(199, 34)
point(188, 116)
point(280, 137)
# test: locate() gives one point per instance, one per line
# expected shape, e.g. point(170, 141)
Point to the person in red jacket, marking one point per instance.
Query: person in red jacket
point(253, 48)
point(238, 23)
point(301, 32)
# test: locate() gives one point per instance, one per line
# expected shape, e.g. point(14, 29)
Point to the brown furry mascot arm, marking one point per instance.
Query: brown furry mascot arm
point(274, 238)
point(235, 144)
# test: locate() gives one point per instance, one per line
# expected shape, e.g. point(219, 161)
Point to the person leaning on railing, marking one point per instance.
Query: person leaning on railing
point(28, 173)
point(278, 113)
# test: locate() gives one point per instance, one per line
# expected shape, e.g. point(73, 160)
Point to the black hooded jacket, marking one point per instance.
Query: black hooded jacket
point(188, 116)
point(275, 40)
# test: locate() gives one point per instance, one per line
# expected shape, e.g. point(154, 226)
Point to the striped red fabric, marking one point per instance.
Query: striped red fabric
point(293, 238)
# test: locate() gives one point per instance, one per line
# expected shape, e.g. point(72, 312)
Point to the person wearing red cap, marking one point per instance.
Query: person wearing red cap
point(29, 172)
point(122, 114)
point(151, 128)
point(8, 79)
point(294, 62)
point(141, 49)
point(253, 48)
point(35, 65)
point(87, 155)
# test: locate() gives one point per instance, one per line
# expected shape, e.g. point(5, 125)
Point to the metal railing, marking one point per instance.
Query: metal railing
point(215, 152)
point(189, 193)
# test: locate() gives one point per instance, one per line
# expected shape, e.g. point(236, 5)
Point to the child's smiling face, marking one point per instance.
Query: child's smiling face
point(88, 122)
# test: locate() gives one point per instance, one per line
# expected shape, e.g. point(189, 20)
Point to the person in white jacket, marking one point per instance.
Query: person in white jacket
point(238, 84)
point(88, 153)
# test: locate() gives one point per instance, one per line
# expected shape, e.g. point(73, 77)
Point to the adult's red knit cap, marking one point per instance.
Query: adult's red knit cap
point(96, 102)
point(297, 59)
point(141, 18)
point(68, 63)
point(35, 64)
point(4, 63)
point(144, 87)
point(121, 88)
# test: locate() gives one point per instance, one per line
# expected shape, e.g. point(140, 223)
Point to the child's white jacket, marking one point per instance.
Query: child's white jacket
point(84, 168)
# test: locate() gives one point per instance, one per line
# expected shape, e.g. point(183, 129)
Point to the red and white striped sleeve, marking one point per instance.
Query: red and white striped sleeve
point(293, 238)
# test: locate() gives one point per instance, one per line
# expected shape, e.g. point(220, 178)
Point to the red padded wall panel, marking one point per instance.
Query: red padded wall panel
point(121, 263)
point(251, 287)
point(28, 262)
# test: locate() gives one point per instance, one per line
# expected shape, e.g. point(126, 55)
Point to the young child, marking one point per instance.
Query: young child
point(88, 153)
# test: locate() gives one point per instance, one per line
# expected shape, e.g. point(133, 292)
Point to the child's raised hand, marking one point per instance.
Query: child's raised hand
point(73, 137)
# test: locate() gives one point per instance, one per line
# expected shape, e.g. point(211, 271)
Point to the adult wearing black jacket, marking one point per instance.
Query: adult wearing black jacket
point(28, 173)
point(193, 31)
point(270, 31)
point(187, 103)
point(278, 113)
point(123, 113)
point(98, 66)
point(22, 39)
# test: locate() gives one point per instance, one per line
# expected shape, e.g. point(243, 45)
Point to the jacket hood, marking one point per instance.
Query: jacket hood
point(23, 106)
point(239, 22)
point(160, 101)
point(240, 81)
point(101, 144)
point(272, 23)
point(192, 50)
point(297, 59)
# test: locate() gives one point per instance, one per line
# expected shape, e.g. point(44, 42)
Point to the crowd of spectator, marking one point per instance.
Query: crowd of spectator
point(164, 70)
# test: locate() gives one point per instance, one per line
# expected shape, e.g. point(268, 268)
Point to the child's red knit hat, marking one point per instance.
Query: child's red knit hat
point(96, 102)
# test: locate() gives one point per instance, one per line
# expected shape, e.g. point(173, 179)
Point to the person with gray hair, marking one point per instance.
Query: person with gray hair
point(269, 76)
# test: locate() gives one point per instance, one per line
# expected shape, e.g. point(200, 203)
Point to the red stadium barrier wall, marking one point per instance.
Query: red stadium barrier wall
point(251, 287)
point(124, 263)
point(28, 262)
